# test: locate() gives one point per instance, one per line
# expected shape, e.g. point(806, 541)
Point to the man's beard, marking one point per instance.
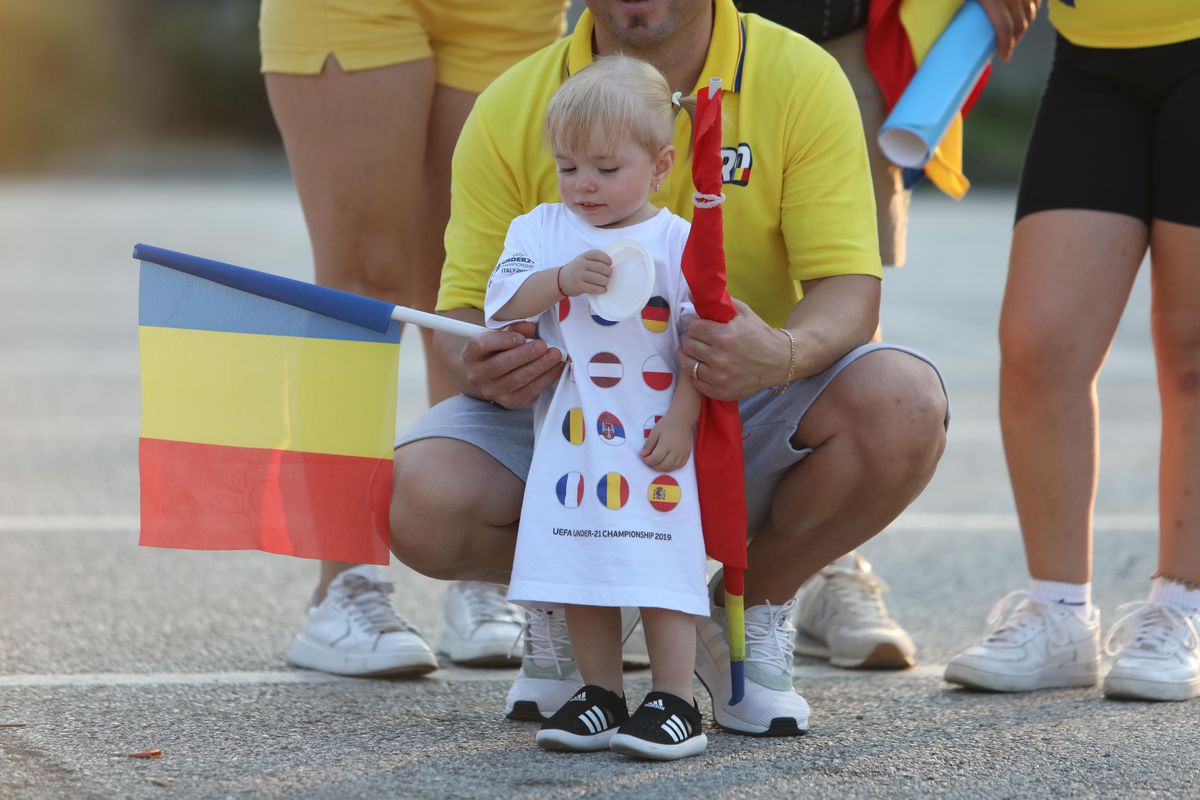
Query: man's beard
point(638, 21)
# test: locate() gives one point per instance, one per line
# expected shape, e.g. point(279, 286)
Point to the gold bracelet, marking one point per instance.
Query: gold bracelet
point(791, 363)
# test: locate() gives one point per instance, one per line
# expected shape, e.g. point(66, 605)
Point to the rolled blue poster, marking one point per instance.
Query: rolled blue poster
point(939, 88)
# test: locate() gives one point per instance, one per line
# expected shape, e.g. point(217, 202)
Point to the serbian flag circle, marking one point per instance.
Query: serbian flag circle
point(610, 428)
point(656, 315)
point(605, 370)
point(657, 374)
point(573, 427)
point(648, 426)
point(570, 489)
point(613, 491)
point(664, 493)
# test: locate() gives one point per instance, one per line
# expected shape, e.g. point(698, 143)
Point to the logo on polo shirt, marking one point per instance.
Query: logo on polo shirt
point(735, 164)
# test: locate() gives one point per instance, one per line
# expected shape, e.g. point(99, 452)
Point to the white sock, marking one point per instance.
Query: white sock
point(1174, 593)
point(1078, 596)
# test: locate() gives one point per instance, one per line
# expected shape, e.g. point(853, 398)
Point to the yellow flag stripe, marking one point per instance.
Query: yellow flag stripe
point(276, 392)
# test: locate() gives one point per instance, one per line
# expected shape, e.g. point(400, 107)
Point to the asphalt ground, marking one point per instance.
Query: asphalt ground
point(107, 649)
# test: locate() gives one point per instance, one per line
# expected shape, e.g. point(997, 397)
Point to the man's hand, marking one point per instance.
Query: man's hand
point(737, 358)
point(509, 370)
point(586, 274)
point(1010, 18)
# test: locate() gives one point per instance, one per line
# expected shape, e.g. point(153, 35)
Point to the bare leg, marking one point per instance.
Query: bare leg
point(671, 640)
point(596, 639)
point(1175, 319)
point(877, 433)
point(454, 511)
point(1069, 279)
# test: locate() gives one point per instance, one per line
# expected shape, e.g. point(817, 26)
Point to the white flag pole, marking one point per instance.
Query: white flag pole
point(434, 322)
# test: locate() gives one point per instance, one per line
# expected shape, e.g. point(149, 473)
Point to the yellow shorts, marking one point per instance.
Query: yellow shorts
point(470, 41)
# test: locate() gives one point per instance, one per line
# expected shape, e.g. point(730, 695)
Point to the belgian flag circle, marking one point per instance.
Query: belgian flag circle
point(613, 491)
point(572, 426)
point(664, 493)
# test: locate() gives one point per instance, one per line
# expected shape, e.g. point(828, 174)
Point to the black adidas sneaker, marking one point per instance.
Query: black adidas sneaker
point(585, 722)
point(663, 728)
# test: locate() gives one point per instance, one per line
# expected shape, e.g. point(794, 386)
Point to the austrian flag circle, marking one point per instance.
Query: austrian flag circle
point(605, 370)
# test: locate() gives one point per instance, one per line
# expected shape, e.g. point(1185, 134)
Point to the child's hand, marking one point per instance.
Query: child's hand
point(668, 446)
point(586, 274)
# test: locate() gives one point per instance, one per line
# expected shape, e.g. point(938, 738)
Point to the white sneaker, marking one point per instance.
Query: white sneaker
point(841, 618)
point(356, 631)
point(549, 676)
point(1034, 645)
point(479, 625)
point(771, 706)
point(1158, 657)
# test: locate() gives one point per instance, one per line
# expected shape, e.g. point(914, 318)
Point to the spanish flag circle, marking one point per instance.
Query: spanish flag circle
point(613, 491)
point(656, 315)
point(663, 493)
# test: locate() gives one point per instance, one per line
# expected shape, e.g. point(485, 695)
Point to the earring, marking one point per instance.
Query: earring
point(657, 185)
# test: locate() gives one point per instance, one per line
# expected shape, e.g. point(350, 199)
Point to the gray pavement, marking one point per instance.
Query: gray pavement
point(107, 649)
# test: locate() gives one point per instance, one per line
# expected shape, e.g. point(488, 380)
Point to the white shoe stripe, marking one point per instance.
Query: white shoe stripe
point(675, 728)
point(596, 719)
point(586, 718)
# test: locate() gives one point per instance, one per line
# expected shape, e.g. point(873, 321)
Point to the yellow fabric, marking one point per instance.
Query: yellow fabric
point(806, 209)
point(471, 42)
point(275, 392)
point(924, 21)
point(1126, 23)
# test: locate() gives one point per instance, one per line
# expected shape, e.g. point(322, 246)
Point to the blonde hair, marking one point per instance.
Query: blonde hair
point(616, 94)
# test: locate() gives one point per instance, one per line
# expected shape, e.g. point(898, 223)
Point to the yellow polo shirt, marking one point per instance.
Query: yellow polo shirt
point(798, 186)
point(1126, 23)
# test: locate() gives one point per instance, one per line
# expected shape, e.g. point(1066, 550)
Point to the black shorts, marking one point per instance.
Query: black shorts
point(1118, 130)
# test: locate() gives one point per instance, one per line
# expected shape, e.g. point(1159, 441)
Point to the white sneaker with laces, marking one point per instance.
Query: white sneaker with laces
point(1033, 645)
point(356, 631)
point(841, 617)
point(771, 705)
point(549, 676)
point(1158, 653)
point(479, 625)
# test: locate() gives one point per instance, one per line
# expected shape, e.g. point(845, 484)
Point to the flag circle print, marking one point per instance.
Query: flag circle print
point(573, 426)
point(605, 370)
point(570, 489)
point(610, 429)
point(602, 321)
point(564, 308)
point(656, 316)
point(613, 491)
point(648, 426)
point(657, 374)
point(664, 493)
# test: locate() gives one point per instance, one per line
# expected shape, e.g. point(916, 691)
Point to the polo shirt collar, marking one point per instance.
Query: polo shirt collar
point(726, 49)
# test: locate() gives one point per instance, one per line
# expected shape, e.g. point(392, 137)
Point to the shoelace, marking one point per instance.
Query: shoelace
point(1017, 615)
point(546, 638)
point(368, 604)
point(861, 593)
point(770, 643)
point(487, 603)
point(1152, 627)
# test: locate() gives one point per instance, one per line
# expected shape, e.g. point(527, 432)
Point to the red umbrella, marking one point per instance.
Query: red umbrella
point(719, 470)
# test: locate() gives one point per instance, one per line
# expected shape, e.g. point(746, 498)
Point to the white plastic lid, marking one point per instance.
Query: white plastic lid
point(630, 284)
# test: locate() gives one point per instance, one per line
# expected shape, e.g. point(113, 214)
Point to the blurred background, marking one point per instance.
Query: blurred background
point(141, 87)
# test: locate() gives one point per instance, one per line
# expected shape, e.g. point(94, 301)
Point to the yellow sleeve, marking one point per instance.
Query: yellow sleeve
point(484, 200)
point(827, 206)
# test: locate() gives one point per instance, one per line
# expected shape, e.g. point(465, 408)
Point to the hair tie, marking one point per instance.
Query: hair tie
point(675, 96)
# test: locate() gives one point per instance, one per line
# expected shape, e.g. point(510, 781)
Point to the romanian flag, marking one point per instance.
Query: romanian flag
point(899, 34)
point(720, 476)
point(268, 412)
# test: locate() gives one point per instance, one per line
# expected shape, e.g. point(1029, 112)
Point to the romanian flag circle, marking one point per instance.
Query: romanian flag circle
point(573, 427)
point(605, 370)
point(570, 489)
point(656, 315)
point(610, 428)
point(664, 493)
point(613, 491)
point(657, 374)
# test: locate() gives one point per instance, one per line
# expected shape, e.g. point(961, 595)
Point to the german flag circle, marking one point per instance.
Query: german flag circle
point(657, 374)
point(573, 427)
point(605, 370)
point(613, 491)
point(656, 315)
point(663, 493)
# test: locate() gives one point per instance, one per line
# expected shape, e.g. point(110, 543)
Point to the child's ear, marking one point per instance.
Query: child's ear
point(663, 162)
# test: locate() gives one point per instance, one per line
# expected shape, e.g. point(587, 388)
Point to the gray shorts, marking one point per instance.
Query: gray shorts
point(768, 423)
